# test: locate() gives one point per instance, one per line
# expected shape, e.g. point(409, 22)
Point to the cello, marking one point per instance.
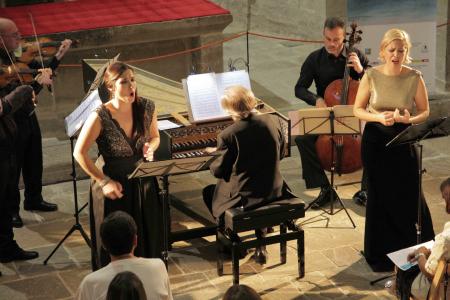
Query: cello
point(347, 148)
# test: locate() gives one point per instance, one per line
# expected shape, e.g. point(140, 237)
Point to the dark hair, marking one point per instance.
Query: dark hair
point(126, 286)
point(112, 73)
point(117, 232)
point(445, 183)
point(333, 22)
point(241, 292)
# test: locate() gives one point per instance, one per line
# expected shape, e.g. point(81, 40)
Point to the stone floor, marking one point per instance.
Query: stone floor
point(334, 266)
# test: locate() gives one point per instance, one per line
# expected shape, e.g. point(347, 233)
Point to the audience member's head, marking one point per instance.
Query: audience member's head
point(238, 101)
point(241, 292)
point(118, 233)
point(126, 286)
point(445, 191)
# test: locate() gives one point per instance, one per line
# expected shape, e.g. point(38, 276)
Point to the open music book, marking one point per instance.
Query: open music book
point(76, 119)
point(203, 93)
point(400, 257)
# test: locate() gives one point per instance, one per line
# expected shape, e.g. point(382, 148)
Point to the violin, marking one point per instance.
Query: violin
point(347, 150)
point(30, 50)
point(21, 72)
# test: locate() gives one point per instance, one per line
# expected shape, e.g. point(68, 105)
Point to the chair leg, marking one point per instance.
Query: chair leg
point(235, 262)
point(283, 244)
point(301, 255)
point(220, 250)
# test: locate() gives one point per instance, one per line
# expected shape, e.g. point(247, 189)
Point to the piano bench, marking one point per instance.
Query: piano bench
point(282, 213)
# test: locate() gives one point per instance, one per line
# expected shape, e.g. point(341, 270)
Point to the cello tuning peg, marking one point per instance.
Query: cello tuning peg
point(360, 31)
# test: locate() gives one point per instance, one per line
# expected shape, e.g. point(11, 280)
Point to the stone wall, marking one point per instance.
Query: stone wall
point(304, 19)
point(294, 18)
point(442, 46)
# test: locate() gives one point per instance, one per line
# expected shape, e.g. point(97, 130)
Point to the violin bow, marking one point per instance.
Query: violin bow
point(37, 41)
point(50, 88)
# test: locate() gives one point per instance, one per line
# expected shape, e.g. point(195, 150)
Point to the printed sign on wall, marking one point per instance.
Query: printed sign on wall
point(417, 17)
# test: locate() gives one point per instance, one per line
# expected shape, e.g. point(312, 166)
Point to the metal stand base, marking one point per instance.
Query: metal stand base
point(77, 225)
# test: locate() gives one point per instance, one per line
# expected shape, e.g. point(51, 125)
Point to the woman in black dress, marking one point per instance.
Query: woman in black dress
point(125, 130)
point(386, 98)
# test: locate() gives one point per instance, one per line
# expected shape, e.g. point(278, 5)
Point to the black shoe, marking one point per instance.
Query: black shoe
point(360, 198)
point(19, 254)
point(323, 198)
point(260, 255)
point(41, 206)
point(16, 220)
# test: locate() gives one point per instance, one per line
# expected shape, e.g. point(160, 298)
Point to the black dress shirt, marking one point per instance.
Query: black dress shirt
point(323, 68)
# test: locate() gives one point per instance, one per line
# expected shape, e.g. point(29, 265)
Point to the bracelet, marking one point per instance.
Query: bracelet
point(104, 181)
point(419, 255)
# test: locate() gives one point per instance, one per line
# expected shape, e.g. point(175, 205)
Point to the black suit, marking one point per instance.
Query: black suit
point(29, 143)
point(10, 102)
point(248, 165)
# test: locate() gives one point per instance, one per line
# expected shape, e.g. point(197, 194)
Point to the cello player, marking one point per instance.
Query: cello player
point(323, 66)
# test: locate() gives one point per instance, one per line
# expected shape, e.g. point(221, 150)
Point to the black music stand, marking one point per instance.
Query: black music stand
point(164, 169)
point(413, 136)
point(77, 225)
point(337, 120)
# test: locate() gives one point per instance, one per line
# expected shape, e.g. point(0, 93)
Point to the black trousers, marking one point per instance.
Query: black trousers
point(313, 174)
point(29, 162)
point(208, 193)
point(7, 179)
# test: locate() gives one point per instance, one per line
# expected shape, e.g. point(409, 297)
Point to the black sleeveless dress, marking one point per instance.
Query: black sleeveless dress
point(119, 157)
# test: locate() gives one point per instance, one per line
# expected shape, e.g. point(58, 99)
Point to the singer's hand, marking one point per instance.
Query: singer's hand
point(113, 190)
point(148, 152)
point(386, 118)
point(402, 119)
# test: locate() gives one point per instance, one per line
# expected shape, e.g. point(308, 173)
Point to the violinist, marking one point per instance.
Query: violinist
point(323, 66)
point(11, 99)
point(29, 142)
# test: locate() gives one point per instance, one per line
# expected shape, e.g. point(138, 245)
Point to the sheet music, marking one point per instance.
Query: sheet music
point(399, 258)
point(203, 97)
point(317, 120)
point(166, 124)
point(204, 92)
point(228, 79)
point(76, 119)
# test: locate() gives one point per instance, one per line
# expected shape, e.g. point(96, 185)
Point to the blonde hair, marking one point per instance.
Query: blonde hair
point(392, 35)
point(238, 101)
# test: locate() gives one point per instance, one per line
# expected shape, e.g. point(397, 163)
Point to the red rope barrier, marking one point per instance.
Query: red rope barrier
point(282, 38)
point(205, 46)
point(216, 43)
point(443, 24)
point(208, 45)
